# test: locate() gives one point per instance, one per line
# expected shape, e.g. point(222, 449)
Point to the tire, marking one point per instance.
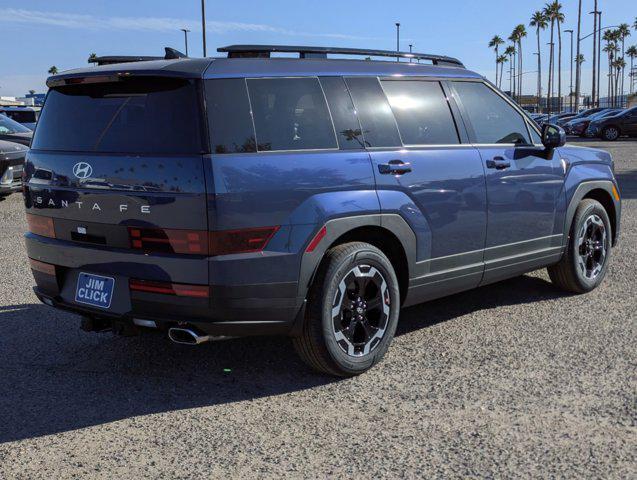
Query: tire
point(572, 272)
point(325, 343)
point(610, 133)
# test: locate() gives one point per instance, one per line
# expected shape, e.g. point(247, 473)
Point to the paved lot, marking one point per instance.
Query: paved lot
point(514, 379)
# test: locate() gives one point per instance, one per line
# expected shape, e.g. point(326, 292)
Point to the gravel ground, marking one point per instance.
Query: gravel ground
point(514, 379)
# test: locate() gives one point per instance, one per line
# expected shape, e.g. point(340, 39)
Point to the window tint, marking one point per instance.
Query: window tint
point(535, 137)
point(137, 115)
point(290, 114)
point(422, 112)
point(346, 122)
point(229, 119)
point(377, 120)
point(492, 118)
point(8, 125)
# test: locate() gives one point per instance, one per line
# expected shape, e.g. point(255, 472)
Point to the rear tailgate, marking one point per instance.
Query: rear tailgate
point(112, 160)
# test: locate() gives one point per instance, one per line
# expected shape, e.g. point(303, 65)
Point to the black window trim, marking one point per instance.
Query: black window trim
point(300, 150)
point(351, 99)
point(445, 96)
point(467, 121)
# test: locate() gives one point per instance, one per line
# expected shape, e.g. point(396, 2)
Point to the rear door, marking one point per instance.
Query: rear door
point(629, 126)
point(427, 176)
point(524, 183)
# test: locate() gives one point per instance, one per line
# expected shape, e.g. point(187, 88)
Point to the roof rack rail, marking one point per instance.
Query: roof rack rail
point(264, 51)
point(170, 54)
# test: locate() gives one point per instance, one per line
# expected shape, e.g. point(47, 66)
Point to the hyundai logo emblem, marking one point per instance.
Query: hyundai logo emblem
point(82, 170)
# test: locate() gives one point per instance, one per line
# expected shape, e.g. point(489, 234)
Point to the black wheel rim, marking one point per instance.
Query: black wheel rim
point(360, 310)
point(611, 133)
point(592, 247)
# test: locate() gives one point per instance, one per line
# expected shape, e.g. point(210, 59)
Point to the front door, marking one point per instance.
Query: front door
point(524, 184)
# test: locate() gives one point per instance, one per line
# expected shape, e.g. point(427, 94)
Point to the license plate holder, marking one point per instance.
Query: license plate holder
point(94, 290)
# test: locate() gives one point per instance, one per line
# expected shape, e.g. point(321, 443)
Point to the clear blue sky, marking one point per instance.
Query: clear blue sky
point(37, 34)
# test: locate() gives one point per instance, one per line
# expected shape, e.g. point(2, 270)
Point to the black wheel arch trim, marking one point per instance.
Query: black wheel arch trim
point(338, 227)
point(581, 191)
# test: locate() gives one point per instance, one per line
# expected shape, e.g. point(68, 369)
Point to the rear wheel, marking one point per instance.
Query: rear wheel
point(610, 133)
point(585, 261)
point(352, 312)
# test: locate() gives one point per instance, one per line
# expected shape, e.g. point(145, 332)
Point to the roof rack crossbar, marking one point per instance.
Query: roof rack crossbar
point(264, 51)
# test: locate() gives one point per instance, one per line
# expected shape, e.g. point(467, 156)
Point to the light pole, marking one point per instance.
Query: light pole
point(185, 30)
point(595, 12)
point(539, 84)
point(551, 83)
point(570, 88)
point(577, 65)
point(203, 25)
point(397, 41)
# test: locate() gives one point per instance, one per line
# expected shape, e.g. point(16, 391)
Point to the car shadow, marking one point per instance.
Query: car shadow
point(56, 378)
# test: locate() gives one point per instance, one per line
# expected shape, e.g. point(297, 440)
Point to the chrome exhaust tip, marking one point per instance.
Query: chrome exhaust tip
point(185, 336)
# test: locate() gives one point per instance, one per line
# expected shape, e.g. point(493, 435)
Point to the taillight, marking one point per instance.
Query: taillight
point(41, 225)
point(225, 242)
point(167, 288)
point(42, 267)
point(197, 242)
point(169, 241)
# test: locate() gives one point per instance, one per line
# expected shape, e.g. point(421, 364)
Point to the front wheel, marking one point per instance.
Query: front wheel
point(352, 313)
point(587, 255)
point(610, 133)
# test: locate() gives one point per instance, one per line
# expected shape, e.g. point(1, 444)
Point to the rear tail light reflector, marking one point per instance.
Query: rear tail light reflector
point(41, 225)
point(169, 241)
point(316, 240)
point(167, 288)
point(42, 267)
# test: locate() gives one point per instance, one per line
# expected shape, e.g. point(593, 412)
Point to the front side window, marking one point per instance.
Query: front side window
point(290, 114)
point(493, 119)
point(422, 112)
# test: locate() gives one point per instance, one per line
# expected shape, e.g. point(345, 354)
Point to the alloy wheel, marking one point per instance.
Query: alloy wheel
point(360, 310)
point(592, 247)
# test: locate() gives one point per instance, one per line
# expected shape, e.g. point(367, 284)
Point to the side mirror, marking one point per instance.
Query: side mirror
point(553, 136)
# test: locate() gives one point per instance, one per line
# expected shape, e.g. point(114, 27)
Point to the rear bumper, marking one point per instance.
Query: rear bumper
point(233, 310)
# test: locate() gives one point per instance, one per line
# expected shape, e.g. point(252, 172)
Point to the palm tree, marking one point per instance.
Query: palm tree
point(610, 49)
point(510, 52)
point(539, 21)
point(559, 19)
point(92, 58)
point(495, 43)
point(520, 33)
point(501, 60)
point(632, 53)
point(31, 92)
point(548, 12)
point(514, 40)
point(619, 65)
point(53, 70)
point(623, 32)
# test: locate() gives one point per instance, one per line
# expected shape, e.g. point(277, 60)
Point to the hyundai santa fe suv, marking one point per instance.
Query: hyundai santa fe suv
point(312, 197)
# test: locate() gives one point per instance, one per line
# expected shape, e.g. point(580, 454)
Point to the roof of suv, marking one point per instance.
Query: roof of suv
point(259, 67)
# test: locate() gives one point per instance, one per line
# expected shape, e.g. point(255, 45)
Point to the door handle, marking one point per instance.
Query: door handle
point(498, 163)
point(394, 167)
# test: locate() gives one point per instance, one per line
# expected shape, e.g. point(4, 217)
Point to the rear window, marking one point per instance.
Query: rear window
point(141, 115)
point(25, 116)
point(290, 114)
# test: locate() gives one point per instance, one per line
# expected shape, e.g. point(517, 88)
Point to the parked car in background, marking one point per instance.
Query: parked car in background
point(27, 116)
point(579, 126)
point(614, 126)
point(13, 131)
point(309, 197)
point(11, 164)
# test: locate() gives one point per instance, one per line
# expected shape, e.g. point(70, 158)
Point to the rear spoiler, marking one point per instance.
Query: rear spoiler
point(171, 54)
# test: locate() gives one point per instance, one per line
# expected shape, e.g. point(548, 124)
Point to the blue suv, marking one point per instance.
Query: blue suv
point(311, 197)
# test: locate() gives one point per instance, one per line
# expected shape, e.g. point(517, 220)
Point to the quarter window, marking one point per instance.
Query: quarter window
point(290, 114)
point(422, 112)
point(493, 119)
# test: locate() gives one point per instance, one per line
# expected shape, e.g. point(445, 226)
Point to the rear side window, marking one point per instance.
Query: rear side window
point(348, 128)
point(377, 120)
point(493, 119)
point(422, 112)
point(137, 115)
point(8, 125)
point(229, 118)
point(290, 114)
